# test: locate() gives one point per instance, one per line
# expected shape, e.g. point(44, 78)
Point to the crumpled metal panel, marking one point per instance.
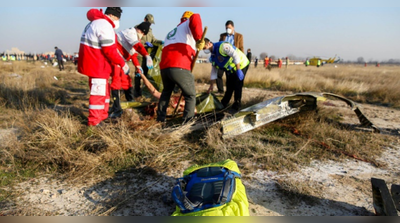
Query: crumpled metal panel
point(363, 120)
point(280, 107)
point(395, 190)
point(382, 199)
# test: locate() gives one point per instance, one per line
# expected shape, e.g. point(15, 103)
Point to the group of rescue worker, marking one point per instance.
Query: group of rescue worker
point(19, 57)
point(279, 62)
point(105, 53)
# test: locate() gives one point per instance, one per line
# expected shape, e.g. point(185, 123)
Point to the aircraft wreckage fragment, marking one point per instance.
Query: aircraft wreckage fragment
point(280, 107)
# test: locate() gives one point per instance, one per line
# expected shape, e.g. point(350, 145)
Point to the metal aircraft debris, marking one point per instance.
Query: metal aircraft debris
point(280, 107)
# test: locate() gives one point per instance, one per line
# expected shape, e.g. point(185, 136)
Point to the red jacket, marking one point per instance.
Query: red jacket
point(135, 60)
point(180, 44)
point(98, 48)
point(139, 48)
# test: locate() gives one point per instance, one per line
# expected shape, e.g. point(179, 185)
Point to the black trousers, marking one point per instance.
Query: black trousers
point(137, 85)
point(129, 94)
point(234, 86)
point(220, 83)
point(60, 64)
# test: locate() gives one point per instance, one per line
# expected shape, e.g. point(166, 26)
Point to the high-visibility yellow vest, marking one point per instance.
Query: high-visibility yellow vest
point(227, 62)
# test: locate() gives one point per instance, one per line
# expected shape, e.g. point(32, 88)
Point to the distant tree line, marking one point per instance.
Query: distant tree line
point(360, 60)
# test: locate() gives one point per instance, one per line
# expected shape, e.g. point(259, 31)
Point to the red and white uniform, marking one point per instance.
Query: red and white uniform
point(180, 44)
point(128, 46)
point(97, 52)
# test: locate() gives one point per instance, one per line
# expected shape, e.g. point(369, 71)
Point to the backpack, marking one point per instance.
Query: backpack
point(204, 188)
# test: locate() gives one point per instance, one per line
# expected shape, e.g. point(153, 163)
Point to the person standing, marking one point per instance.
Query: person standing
point(256, 62)
point(227, 57)
point(128, 45)
point(287, 62)
point(177, 55)
point(248, 55)
point(266, 61)
point(149, 42)
point(97, 53)
point(307, 62)
point(318, 63)
point(235, 39)
point(76, 56)
point(280, 63)
point(59, 56)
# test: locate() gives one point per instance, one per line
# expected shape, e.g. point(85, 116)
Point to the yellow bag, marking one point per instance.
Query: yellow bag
point(238, 206)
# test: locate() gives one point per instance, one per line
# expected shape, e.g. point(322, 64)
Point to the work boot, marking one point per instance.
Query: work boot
point(187, 120)
point(236, 106)
point(116, 114)
point(111, 109)
point(116, 107)
point(224, 103)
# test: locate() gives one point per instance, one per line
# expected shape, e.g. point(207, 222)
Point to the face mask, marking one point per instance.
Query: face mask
point(116, 23)
point(207, 51)
point(229, 31)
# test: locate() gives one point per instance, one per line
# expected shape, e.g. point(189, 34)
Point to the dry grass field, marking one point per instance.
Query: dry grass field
point(43, 132)
point(378, 85)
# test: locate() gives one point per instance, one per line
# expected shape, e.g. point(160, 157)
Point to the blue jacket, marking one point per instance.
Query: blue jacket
point(58, 54)
point(222, 61)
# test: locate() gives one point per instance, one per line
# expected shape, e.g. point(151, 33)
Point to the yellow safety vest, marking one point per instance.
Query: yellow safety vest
point(229, 65)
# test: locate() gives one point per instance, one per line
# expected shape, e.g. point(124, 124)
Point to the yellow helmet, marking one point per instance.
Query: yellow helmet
point(187, 15)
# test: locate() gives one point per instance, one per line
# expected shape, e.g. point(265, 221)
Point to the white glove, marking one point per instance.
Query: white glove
point(139, 71)
point(126, 69)
point(149, 62)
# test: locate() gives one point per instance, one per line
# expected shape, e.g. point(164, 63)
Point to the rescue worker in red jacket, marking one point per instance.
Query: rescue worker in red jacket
point(97, 53)
point(266, 61)
point(128, 45)
point(176, 60)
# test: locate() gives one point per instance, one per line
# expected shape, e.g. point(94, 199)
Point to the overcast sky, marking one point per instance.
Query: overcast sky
point(349, 32)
